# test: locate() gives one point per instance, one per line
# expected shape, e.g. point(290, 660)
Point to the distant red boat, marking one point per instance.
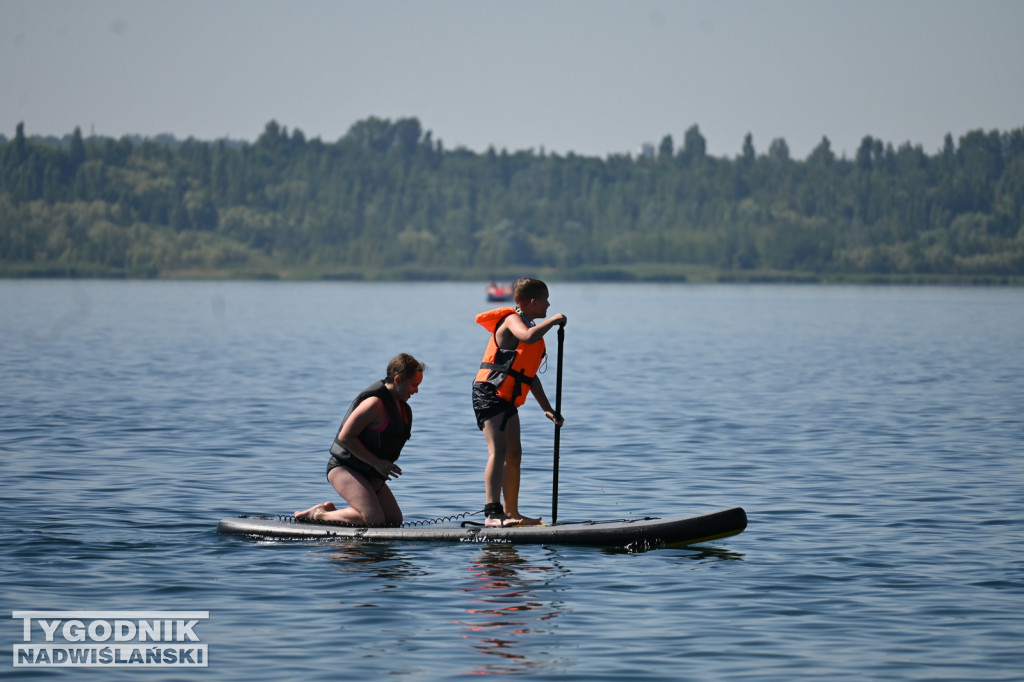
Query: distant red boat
point(497, 292)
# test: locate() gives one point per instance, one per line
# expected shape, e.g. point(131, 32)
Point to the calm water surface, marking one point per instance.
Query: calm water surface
point(873, 434)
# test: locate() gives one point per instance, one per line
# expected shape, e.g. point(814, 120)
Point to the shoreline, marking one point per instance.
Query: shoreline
point(616, 274)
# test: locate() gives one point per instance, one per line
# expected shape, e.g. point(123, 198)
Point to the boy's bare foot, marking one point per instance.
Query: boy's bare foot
point(501, 522)
point(315, 512)
point(521, 520)
point(495, 516)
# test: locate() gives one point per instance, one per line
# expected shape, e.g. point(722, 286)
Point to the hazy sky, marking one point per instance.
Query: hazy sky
point(591, 76)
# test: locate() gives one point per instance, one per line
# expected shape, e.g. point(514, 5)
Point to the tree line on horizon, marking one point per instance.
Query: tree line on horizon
point(387, 196)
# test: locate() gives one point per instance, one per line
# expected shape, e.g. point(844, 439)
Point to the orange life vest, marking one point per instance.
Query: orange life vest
point(513, 376)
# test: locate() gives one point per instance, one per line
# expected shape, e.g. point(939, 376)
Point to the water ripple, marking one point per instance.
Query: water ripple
point(872, 434)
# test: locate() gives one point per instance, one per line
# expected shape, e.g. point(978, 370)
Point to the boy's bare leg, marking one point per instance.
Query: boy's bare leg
point(494, 474)
point(511, 476)
point(495, 470)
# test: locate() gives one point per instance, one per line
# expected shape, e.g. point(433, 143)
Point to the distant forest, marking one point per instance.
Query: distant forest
point(388, 201)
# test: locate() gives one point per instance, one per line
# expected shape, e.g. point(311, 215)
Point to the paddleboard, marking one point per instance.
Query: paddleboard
point(645, 533)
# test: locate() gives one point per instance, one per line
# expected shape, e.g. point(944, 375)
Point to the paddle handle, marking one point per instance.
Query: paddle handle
point(558, 427)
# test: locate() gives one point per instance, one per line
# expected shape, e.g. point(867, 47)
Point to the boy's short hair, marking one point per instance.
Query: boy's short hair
point(528, 288)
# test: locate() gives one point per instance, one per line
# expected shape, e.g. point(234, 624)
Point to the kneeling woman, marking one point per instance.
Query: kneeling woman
point(363, 455)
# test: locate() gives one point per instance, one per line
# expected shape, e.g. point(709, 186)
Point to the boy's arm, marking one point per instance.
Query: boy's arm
point(526, 334)
point(537, 389)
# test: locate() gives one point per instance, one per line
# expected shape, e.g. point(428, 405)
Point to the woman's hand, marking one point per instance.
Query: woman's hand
point(387, 469)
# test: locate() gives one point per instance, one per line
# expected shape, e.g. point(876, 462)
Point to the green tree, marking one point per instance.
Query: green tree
point(667, 148)
point(694, 145)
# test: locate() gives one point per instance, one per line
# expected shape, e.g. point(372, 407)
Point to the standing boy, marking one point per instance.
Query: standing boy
point(507, 374)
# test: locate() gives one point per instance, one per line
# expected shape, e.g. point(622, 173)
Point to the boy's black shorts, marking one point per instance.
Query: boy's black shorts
point(487, 404)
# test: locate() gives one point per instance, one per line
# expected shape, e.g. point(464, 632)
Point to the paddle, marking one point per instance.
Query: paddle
point(558, 427)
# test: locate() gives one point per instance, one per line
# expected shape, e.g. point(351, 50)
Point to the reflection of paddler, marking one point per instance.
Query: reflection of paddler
point(369, 441)
point(507, 374)
point(507, 617)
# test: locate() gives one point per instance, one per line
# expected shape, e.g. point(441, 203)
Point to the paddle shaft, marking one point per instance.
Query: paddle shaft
point(558, 427)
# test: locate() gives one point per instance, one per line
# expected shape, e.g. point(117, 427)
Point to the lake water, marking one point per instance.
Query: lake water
point(874, 435)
